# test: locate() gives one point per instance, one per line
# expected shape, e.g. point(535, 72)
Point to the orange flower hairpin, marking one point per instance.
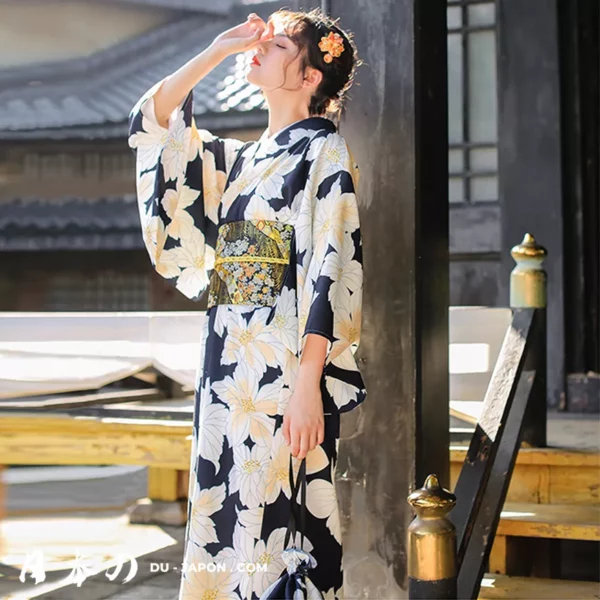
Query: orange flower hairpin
point(333, 45)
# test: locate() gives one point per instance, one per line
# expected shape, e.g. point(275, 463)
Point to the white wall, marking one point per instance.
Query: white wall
point(36, 31)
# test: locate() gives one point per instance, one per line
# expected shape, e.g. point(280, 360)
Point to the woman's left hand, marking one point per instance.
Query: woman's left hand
point(303, 420)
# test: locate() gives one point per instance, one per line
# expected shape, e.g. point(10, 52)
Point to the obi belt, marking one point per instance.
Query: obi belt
point(251, 260)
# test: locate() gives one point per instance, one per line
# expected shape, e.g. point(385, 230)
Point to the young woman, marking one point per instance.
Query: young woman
point(271, 228)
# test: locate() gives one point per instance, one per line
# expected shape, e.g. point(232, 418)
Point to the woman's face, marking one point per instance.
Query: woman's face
point(269, 59)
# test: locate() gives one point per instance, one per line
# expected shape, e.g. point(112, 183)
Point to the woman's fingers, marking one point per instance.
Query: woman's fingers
point(268, 32)
point(295, 437)
point(321, 434)
point(304, 444)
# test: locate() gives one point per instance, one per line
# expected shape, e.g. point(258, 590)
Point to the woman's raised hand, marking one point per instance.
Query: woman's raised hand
point(244, 37)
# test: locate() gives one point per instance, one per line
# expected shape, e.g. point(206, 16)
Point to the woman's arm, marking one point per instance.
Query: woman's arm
point(177, 86)
point(303, 422)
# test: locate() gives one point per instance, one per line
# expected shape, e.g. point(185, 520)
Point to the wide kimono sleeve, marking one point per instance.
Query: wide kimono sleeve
point(181, 172)
point(330, 274)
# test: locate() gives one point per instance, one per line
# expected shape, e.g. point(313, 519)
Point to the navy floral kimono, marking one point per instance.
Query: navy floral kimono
point(271, 229)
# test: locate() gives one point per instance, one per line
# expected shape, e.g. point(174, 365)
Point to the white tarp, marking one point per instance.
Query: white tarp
point(44, 353)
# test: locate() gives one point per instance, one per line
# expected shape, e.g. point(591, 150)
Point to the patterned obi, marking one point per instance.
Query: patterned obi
point(251, 258)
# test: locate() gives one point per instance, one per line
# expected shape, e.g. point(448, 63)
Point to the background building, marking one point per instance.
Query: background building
point(520, 75)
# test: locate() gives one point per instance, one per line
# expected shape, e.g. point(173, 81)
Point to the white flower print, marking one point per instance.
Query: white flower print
point(221, 316)
point(290, 373)
point(176, 150)
point(306, 300)
point(259, 209)
point(321, 501)
point(330, 595)
point(252, 519)
point(330, 156)
point(248, 473)
point(252, 343)
point(145, 189)
point(345, 273)
point(205, 503)
point(175, 202)
point(150, 140)
point(278, 474)
point(193, 258)
point(257, 554)
point(304, 222)
point(213, 181)
point(335, 214)
point(212, 428)
point(299, 133)
point(342, 392)
point(250, 406)
point(285, 321)
point(153, 231)
point(201, 581)
point(270, 186)
point(346, 325)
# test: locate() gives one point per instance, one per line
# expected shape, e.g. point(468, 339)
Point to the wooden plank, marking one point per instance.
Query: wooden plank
point(468, 411)
point(574, 486)
point(502, 587)
point(542, 456)
point(559, 521)
point(499, 555)
point(163, 484)
point(566, 483)
point(477, 545)
point(484, 444)
point(27, 439)
point(65, 401)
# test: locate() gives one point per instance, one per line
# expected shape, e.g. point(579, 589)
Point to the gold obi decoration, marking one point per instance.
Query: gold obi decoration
point(251, 258)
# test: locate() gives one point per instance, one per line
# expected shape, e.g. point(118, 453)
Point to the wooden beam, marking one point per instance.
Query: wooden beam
point(529, 156)
point(396, 127)
point(29, 439)
point(476, 549)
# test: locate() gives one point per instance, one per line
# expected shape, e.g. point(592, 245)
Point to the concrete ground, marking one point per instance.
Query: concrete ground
point(63, 511)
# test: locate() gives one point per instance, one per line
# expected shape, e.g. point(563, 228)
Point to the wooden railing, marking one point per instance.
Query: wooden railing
point(451, 538)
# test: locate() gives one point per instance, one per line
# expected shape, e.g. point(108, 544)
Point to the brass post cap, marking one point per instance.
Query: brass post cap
point(528, 249)
point(432, 498)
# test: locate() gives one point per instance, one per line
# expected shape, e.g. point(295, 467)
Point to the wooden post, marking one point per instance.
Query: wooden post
point(396, 128)
point(166, 503)
point(529, 154)
point(432, 544)
point(528, 283)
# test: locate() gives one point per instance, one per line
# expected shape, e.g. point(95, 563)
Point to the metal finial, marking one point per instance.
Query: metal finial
point(528, 278)
point(432, 499)
point(528, 249)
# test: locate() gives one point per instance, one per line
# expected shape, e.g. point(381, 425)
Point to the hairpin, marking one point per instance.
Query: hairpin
point(333, 45)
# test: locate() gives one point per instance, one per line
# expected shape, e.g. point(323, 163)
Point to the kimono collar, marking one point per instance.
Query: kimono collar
point(282, 136)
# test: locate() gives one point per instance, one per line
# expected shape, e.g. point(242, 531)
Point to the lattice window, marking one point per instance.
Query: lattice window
point(102, 291)
point(472, 101)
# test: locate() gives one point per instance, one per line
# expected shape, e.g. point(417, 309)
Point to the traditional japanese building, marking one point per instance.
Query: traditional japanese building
point(473, 122)
point(69, 226)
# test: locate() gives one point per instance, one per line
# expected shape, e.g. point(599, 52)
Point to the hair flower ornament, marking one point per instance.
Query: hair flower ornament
point(333, 45)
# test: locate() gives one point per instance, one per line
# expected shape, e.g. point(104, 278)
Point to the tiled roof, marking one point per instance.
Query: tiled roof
point(39, 224)
point(91, 97)
point(210, 6)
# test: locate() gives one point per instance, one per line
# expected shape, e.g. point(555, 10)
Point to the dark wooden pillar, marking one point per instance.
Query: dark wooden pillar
point(396, 126)
point(529, 156)
point(579, 29)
